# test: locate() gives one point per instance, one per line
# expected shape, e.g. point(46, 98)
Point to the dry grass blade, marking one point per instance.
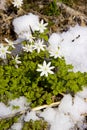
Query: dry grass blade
point(46, 106)
point(55, 104)
point(29, 109)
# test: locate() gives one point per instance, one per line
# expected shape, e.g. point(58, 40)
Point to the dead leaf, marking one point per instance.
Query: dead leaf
point(2, 4)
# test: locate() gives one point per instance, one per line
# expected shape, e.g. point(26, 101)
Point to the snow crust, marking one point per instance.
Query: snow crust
point(49, 114)
point(4, 110)
point(16, 126)
point(66, 104)
point(82, 94)
point(61, 122)
point(25, 23)
point(69, 113)
point(75, 107)
point(73, 44)
point(31, 116)
point(21, 103)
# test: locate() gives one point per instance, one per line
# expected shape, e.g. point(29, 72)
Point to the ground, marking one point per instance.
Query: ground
point(57, 16)
point(47, 9)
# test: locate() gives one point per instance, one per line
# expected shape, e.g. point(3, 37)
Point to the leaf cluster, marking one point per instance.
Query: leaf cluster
point(35, 125)
point(26, 81)
point(5, 124)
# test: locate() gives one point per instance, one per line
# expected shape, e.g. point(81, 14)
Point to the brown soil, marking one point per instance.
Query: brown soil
point(59, 23)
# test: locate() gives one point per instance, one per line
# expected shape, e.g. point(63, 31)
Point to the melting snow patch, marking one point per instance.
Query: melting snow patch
point(48, 114)
point(17, 105)
point(73, 46)
point(83, 94)
point(21, 103)
point(16, 126)
point(25, 23)
point(62, 122)
point(4, 110)
point(31, 116)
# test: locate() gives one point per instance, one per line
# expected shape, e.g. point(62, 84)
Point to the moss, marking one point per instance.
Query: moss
point(26, 81)
point(5, 124)
point(35, 125)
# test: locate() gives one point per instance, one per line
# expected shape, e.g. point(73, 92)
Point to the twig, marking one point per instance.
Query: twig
point(29, 109)
point(46, 106)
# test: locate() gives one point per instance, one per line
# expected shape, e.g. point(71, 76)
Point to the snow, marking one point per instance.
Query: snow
point(25, 23)
point(48, 114)
point(21, 103)
point(69, 113)
point(4, 110)
point(61, 122)
point(17, 126)
point(55, 39)
point(73, 46)
point(83, 93)
point(79, 107)
point(31, 116)
point(66, 104)
point(75, 107)
point(58, 120)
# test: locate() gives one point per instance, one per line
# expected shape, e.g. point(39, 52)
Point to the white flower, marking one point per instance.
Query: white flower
point(54, 52)
point(17, 3)
point(10, 43)
point(42, 26)
point(45, 69)
point(17, 61)
point(3, 51)
point(27, 36)
point(28, 48)
point(38, 45)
